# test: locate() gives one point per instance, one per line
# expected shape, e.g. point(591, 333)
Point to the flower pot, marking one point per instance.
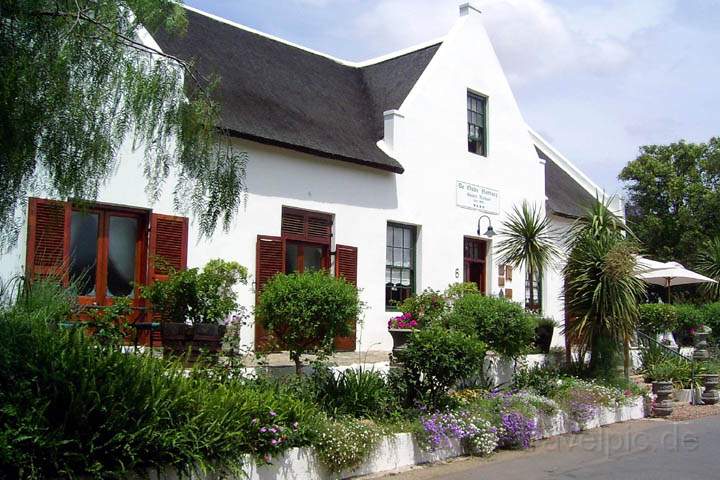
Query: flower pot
point(663, 405)
point(701, 337)
point(710, 381)
point(179, 338)
point(400, 338)
point(543, 338)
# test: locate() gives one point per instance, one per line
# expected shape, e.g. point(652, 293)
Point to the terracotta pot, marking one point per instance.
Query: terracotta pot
point(400, 338)
point(663, 405)
point(710, 381)
point(179, 338)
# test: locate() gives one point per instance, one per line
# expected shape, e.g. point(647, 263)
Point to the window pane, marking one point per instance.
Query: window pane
point(407, 238)
point(395, 278)
point(291, 258)
point(387, 275)
point(397, 257)
point(389, 236)
point(406, 259)
point(388, 255)
point(398, 237)
point(405, 278)
point(122, 236)
point(83, 251)
point(312, 258)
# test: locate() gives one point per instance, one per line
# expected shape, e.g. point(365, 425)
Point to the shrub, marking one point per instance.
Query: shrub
point(657, 318)
point(306, 311)
point(540, 380)
point(505, 326)
point(198, 296)
point(459, 290)
point(474, 432)
point(358, 393)
point(425, 307)
point(516, 430)
point(711, 318)
point(436, 359)
point(345, 443)
point(689, 318)
point(70, 407)
point(670, 369)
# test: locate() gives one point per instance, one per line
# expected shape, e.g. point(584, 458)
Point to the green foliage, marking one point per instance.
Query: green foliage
point(689, 318)
point(306, 311)
point(601, 290)
point(459, 290)
point(358, 393)
point(198, 296)
point(76, 83)
point(527, 239)
point(711, 318)
point(505, 326)
point(425, 307)
point(110, 325)
point(70, 407)
point(671, 369)
point(708, 263)
point(540, 380)
point(657, 318)
point(673, 200)
point(436, 359)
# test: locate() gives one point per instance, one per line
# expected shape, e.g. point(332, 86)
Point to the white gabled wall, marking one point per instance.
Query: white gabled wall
point(430, 141)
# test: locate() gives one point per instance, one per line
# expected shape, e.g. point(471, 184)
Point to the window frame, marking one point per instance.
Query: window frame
point(142, 244)
point(484, 140)
point(538, 290)
point(390, 307)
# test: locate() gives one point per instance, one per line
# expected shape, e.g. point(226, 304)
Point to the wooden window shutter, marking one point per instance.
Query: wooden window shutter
point(269, 261)
point(305, 225)
point(168, 246)
point(167, 251)
point(346, 261)
point(48, 241)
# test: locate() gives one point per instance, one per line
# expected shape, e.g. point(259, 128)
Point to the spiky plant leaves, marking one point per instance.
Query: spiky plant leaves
point(708, 263)
point(528, 240)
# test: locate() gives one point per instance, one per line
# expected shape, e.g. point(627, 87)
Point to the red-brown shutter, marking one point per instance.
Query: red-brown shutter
point(48, 240)
point(346, 261)
point(167, 252)
point(306, 226)
point(269, 261)
point(168, 246)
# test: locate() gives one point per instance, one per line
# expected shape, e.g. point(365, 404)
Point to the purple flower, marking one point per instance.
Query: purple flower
point(263, 430)
point(273, 414)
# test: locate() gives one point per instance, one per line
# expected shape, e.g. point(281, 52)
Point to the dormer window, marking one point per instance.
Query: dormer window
point(477, 123)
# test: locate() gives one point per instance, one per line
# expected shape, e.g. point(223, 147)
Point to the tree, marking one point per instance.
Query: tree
point(602, 293)
point(306, 311)
point(528, 240)
point(708, 262)
point(673, 197)
point(77, 82)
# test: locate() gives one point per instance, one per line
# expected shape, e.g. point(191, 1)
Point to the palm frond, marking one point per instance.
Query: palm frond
point(708, 263)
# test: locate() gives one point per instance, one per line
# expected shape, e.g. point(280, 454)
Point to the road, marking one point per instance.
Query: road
point(644, 449)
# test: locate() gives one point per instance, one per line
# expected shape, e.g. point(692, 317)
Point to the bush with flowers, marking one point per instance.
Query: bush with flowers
point(404, 321)
point(346, 442)
point(475, 433)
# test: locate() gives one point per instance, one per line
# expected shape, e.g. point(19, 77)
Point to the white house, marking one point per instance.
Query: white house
point(386, 171)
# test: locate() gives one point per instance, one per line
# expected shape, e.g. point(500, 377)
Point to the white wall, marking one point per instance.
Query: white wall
point(431, 145)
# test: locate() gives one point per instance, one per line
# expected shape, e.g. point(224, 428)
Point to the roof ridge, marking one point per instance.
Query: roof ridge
point(348, 63)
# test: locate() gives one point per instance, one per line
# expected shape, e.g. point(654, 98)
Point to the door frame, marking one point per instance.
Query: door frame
point(467, 261)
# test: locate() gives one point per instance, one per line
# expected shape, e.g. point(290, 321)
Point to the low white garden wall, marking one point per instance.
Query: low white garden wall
point(401, 451)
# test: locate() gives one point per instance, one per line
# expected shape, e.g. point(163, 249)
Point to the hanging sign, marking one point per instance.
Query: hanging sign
point(476, 197)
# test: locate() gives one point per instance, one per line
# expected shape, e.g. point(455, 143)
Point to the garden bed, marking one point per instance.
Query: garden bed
point(402, 450)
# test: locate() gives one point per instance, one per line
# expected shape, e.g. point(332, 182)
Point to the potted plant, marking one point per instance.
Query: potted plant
point(544, 334)
point(400, 328)
point(710, 381)
point(194, 304)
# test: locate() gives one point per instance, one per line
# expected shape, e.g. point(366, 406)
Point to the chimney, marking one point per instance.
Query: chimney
point(392, 120)
point(469, 8)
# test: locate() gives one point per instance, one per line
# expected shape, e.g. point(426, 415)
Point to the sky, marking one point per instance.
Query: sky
point(596, 78)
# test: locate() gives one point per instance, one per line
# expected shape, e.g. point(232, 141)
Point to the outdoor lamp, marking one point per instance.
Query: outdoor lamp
point(489, 232)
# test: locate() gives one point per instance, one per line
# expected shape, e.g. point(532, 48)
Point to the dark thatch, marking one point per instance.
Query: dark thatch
point(278, 94)
point(565, 196)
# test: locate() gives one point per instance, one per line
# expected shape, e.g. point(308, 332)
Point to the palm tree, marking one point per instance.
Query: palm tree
point(528, 240)
point(602, 292)
point(708, 263)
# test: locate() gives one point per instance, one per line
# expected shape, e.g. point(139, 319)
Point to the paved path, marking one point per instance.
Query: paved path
point(645, 449)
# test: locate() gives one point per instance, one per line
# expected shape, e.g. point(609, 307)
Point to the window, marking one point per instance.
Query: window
point(399, 263)
point(106, 251)
point(533, 302)
point(477, 123)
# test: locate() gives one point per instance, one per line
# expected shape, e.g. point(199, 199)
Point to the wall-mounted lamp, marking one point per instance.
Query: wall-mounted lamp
point(489, 232)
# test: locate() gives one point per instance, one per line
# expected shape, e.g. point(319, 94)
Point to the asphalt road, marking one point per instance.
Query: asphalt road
point(645, 449)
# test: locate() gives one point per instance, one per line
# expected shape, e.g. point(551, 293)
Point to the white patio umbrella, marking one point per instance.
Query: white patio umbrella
point(668, 274)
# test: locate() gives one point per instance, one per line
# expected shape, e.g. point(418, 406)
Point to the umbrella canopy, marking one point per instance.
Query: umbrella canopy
point(670, 274)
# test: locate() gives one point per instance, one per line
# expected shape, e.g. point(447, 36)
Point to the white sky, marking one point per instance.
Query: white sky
point(597, 78)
